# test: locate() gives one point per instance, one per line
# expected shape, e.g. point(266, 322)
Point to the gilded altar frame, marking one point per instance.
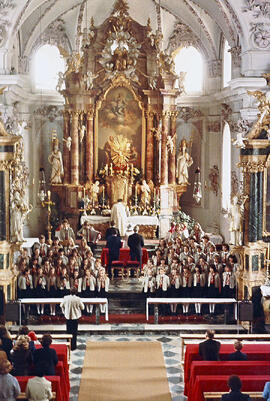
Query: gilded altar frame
point(120, 82)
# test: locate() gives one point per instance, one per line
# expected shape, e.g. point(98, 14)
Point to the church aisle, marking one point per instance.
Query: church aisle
point(171, 348)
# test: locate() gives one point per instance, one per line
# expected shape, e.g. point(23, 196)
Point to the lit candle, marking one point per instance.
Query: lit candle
point(268, 256)
point(103, 192)
point(49, 195)
point(84, 192)
point(131, 172)
point(154, 194)
point(135, 191)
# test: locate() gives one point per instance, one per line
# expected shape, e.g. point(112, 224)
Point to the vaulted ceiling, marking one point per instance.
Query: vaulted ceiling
point(22, 22)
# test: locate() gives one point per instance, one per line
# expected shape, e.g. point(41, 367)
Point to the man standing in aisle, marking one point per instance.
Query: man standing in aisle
point(119, 216)
point(135, 243)
point(72, 307)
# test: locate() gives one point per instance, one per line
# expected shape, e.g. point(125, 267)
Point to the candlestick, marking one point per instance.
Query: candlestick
point(49, 195)
point(103, 191)
point(268, 256)
point(135, 191)
point(131, 171)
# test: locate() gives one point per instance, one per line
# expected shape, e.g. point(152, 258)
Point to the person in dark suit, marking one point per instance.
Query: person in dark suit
point(46, 355)
point(209, 349)
point(111, 230)
point(235, 394)
point(238, 355)
point(113, 244)
point(135, 243)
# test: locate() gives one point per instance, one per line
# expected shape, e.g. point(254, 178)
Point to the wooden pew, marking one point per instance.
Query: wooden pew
point(22, 396)
point(216, 396)
point(201, 337)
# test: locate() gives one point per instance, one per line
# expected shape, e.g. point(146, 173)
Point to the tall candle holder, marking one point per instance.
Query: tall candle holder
point(267, 282)
point(45, 198)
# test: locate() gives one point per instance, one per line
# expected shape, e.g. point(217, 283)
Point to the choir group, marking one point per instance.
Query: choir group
point(52, 271)
point(190, 266)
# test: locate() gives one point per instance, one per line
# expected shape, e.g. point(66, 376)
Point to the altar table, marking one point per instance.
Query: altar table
point(255, 352)
point(124, 255)
point(213, 368)
point(56, 385)
point(219, 383)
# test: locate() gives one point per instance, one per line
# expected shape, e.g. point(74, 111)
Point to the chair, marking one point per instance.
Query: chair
point(133, 265)
point(118, 265)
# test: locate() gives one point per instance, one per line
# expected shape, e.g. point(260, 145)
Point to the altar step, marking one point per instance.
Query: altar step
point(126, 303)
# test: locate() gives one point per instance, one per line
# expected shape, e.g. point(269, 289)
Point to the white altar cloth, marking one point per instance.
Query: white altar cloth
point(265, 289)
point(133, 220)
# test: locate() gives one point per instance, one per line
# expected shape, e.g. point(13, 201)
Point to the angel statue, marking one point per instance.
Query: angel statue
point(184, 161)
point(55, 159)
point(19, 211)
point(170, 143)
point(264, 109)
point(236, 213)
point(21, 127)
point(68, 142)
point(179, 82)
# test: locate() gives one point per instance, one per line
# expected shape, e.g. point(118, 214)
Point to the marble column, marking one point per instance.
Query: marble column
point(255, 207)
point(149, 147)
point(89, 159)
point(172, 155)
point(66, 152)
point(164, 151)
point(75, 149)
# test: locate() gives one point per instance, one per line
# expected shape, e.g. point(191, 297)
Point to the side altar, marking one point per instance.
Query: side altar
point(120, 114)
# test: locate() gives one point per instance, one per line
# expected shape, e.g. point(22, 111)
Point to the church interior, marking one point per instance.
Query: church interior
point(134, 158)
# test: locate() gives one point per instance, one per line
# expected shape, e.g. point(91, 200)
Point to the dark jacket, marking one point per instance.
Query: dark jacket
point(237, 356)
point(48, 356)
point(209, 350)
point(235, 396)
point(22, 361)
point(110, 231)
point(114, 244)
point(6, 346)
point(135, 243)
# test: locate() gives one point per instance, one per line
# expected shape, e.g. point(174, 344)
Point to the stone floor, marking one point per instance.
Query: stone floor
point(171, 351)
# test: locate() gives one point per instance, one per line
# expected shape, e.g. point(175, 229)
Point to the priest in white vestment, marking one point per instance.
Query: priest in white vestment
point(119, 216)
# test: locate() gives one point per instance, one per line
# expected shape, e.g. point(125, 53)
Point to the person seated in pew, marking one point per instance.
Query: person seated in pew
point(235, 394)
point(21, 356)
point(266, 391)
point(46, 355)
point(38, 388)
point(238, 355)
point(9, 385)
point(209, 349)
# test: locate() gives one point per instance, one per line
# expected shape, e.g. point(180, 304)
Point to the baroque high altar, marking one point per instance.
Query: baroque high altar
point(119, 118)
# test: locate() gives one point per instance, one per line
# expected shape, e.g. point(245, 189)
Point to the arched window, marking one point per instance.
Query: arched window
point(226, 167)
point(47, 63)
point(227, 64)
point(189, 60)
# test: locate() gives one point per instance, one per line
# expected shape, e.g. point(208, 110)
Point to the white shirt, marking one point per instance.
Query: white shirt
point(119, 216)
point(72, 307)
point(38, 389)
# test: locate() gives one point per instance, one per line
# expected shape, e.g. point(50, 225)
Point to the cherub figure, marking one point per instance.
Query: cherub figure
point(240, 140)
point(61, 80)
point(21, 127)
point(89, 80)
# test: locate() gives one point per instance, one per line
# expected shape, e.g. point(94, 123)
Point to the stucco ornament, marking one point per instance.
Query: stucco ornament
point(261, 34)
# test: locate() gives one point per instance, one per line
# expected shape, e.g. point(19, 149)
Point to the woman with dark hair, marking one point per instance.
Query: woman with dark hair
point(213, 286)
point(235, 394)
point(9, 386)
point(198, 287)
point(5, 341)
point(21, 356)
point(46, 355)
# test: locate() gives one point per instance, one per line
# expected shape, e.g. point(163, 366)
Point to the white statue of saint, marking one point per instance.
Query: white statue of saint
point(61, 80)
point(235, 213)
point(19, 211)
point(95, 192)
point(184, 161)
point(21, 127)
point(55, 159)
point(170, 143)
point(145, 193)
point(82, 132)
